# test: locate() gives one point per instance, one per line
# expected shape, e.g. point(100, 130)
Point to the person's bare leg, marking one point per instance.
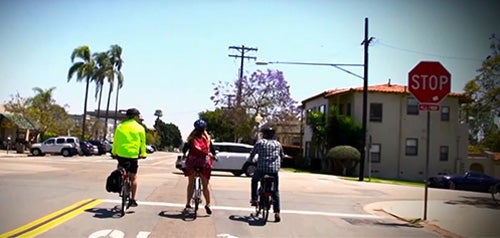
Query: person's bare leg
point(189, 190)
point(206, 194)
point(133, 179)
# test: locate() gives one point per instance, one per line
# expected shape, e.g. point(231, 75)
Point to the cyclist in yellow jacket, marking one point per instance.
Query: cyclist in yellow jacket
point(129, 144)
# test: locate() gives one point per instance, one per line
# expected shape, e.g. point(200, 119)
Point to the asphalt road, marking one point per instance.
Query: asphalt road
point(54, 196)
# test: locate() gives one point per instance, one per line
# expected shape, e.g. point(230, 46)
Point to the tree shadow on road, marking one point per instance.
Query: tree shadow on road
point(251, 220)
point(106, 212)
point(480, 202)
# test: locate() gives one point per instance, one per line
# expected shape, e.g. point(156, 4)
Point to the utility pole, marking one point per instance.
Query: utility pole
point(365, 43)
point(242, 49)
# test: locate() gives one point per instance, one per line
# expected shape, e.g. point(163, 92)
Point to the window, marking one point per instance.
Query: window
point(341, 109)
point(411, 147)
point(443, 153)
point(375, 153)
point(60, 141)
point(50, 141)
point(412, 106)
point(322, 108)
point(348, 109)
point(376, 112)
point(445, 113)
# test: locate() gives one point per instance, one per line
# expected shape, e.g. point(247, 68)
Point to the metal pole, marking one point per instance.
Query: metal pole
point(426, 193)
point(365, 102)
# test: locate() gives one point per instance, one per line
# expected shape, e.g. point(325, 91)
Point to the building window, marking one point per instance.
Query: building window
point(375, 153)
point(445, 113)
point(341, 109)
point(411, 147)
point(376, 112)
point(322, 108)
point(348, 109)
point(307, 114)
point(412, 106)
point(443, 153)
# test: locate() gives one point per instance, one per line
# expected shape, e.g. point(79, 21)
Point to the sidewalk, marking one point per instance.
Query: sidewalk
point(446, 218)
point(13, 153)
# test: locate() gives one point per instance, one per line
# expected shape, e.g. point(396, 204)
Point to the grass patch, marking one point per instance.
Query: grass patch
point(366, 179)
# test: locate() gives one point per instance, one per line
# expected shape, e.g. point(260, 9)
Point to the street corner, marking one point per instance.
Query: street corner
point(402, 210)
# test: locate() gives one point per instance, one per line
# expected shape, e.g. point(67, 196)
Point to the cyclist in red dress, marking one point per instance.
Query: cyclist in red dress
point(201, 154)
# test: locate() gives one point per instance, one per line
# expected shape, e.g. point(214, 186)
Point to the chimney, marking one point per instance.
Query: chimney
point(389, 83)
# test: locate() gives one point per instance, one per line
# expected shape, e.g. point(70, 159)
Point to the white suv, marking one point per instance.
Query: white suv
point(231, 157)
point(64, 145)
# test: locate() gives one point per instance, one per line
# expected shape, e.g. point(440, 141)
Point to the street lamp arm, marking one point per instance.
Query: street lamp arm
point(338, 66)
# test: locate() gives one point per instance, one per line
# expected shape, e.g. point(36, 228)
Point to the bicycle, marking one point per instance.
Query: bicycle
point(197, 190)
point(125, 191)
point(495, 192)
point(266, 190)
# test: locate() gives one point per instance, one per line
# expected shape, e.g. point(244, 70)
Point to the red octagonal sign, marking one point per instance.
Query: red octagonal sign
point(429, 82)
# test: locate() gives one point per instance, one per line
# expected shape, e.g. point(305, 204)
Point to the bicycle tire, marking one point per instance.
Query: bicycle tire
point(264, 207)
point(197, 194)
point(124, 195)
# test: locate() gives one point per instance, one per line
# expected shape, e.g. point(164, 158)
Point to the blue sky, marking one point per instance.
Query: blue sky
point(175, 50)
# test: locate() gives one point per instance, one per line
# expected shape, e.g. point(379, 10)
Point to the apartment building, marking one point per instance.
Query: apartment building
point(396, 130)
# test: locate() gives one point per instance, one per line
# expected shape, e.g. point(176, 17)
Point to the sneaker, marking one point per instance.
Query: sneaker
point(187, 209)
point(133, 203)
point(277, 217)
point(253, 203)
point(208, 210)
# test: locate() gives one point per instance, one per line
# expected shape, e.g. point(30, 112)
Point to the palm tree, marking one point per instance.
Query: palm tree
point(84, 69)
point(115, 56)
point(158, 114)
point(103, 70)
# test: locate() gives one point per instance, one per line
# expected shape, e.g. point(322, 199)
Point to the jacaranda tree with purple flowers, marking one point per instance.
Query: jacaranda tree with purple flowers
point(265, 92)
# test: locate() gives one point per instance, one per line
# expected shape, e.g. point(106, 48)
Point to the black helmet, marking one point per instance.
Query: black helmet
point(267, 132)
point(200, 125)
point(132, 112)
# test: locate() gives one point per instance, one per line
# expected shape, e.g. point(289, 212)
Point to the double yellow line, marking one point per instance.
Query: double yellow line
point(56, 218)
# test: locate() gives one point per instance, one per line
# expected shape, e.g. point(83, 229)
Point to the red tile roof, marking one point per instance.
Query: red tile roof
point(382, 88)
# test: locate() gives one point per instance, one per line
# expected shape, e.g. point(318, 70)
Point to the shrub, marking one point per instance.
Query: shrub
point(344, 158)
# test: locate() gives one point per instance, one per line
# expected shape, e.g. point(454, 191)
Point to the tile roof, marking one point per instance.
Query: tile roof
point(381, 88)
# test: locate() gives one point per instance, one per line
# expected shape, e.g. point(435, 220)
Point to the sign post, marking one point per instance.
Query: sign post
point(430, 83)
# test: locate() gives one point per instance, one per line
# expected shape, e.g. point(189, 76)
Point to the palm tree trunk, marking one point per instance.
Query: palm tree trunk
point(107, 111)
point(116, 106)
point(96, 132)
point(85, 108)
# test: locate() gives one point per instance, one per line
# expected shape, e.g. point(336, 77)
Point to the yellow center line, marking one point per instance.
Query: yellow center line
point(56, 218)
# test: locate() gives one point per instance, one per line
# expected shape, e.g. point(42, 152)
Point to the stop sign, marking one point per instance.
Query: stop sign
point(429, 82)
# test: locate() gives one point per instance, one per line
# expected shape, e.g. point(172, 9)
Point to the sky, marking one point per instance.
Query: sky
point(175, 51)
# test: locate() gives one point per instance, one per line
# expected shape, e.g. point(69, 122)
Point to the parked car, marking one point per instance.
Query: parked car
point(103, 146)
point(65, 145)
point(231, 157)
point(150, 149)
point(86, 148)
point(470, 180)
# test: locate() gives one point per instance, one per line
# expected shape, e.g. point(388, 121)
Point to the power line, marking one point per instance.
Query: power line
point(426, 53)
point(242, 50)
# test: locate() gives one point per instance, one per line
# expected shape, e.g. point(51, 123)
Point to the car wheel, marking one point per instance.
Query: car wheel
point(238, 173)
point(250, 169)
point(36, 152)
point(65, 153)
point(452, 185)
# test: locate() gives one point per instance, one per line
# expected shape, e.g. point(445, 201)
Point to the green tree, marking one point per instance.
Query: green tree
point(483, 99)
point(84, 70)
point(217, 125)
point(345, 157)
point(170, 135)
point(342, 130)
point(103, 69)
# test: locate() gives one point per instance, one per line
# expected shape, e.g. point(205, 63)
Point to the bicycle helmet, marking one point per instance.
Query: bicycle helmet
point(132, 112)
point(200, 125)
point(267, 132)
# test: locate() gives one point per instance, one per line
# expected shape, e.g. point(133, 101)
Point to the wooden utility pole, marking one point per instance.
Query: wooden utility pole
point(242, 49)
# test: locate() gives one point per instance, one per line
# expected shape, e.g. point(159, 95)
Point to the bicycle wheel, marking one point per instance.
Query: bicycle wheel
point(264, 207)
point(197, 195)
point(125, 194)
